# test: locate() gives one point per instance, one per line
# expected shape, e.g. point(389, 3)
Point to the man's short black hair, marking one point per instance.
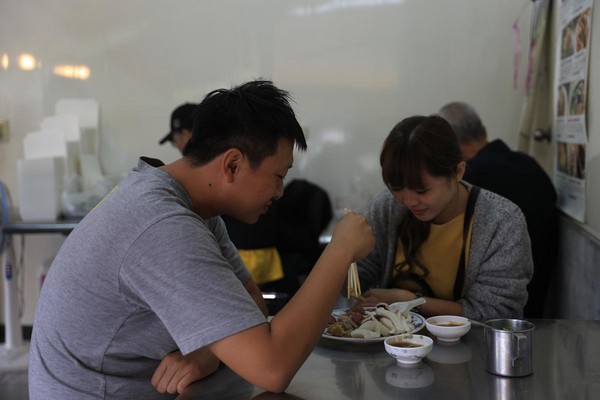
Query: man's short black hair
point(251, 117)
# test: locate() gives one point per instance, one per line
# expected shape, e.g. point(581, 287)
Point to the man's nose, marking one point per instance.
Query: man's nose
point(279, 191)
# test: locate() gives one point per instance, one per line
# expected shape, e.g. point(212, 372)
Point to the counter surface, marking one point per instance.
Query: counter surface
point(566, 359)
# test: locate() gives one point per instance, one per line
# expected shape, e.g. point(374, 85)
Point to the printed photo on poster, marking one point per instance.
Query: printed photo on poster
point(571, 159)
point(577, 102)
point(570, 124)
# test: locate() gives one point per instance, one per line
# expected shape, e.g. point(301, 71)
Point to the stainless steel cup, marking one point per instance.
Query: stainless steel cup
point(509, 347)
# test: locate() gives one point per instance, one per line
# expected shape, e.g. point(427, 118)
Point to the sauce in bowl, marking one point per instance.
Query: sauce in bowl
point(449, 323)
point(405, 343)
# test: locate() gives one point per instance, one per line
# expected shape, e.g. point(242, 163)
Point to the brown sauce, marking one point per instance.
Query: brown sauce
point(404, 343)
point(451, 323)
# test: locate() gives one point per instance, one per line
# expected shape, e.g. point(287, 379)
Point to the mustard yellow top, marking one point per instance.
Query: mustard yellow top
point(264, 264)
point(440, 254)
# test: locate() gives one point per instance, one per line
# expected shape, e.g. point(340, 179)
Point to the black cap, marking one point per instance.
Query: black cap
point(181, 118)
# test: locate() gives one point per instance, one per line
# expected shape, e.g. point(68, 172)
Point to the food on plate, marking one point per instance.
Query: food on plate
point(370, 323)
point(342, 327)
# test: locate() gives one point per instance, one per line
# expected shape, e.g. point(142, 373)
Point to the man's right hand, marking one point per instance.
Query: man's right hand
point(176, 371)
point(354, 235)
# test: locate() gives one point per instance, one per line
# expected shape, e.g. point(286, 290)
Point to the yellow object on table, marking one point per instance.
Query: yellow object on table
point(264, 264)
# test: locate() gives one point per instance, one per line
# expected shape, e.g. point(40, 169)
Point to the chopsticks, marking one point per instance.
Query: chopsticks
point(354, 291)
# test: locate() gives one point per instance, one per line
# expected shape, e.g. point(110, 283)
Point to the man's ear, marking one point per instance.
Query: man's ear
point(232, 161)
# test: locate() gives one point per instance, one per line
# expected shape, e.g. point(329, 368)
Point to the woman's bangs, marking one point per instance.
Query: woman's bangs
point(402, 170)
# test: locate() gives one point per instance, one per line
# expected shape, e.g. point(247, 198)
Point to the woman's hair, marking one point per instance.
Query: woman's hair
point(252, 117)
point(414, 145)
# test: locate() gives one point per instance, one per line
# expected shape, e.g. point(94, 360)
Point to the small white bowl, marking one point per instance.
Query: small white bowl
point(408, 355)
point(448, 328)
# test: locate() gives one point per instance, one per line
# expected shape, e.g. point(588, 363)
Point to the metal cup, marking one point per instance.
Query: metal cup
point(509, 347)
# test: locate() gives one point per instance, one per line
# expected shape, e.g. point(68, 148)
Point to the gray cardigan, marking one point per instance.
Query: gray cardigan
point(499, 265)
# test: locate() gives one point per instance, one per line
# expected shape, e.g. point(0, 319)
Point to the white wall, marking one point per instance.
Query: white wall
point(354, 71)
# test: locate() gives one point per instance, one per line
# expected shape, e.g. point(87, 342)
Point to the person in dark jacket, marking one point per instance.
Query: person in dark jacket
point(518, 177)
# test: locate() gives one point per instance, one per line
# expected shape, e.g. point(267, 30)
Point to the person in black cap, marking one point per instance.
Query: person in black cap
point(182, 125)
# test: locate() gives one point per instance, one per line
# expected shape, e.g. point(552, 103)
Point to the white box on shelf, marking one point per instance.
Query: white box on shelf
point(40, 183)
point(68, 124)
point(91, 172)
point(87, 112)
point(44, 144)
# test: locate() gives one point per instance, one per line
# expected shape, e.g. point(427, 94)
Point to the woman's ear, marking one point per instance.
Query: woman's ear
point(460, 170)
point(230, 166)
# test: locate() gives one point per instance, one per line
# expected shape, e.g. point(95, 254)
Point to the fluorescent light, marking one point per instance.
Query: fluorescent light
point(72, 71)
point(27, 62)
point(335, 5)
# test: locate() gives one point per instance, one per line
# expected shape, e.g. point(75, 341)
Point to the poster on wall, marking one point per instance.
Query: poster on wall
point(569, 125)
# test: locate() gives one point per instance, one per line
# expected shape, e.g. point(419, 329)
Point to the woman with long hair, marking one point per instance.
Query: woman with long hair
point(465, 249)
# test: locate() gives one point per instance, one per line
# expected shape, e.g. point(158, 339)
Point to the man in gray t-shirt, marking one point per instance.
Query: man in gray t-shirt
point(148, 294)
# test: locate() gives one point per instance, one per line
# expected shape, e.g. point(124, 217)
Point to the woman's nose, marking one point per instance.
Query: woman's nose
point(409, 199)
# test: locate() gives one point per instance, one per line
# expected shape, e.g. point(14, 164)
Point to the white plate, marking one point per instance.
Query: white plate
point(417, 321)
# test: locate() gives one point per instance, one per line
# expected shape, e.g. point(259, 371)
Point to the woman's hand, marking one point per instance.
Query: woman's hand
point(376, 296)
point(176, 371)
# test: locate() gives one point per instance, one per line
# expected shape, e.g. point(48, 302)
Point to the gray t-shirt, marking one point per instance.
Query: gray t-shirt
point(141, 276)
